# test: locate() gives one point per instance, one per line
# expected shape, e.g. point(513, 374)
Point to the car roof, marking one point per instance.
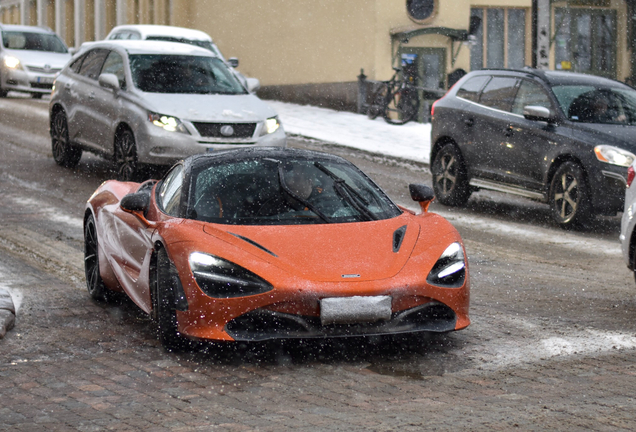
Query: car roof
point(146, 30)
point(24, 28)
point(150, 47)
point(556, 78)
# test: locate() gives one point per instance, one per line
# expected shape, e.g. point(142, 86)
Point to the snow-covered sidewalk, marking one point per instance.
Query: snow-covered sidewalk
point(411, 141)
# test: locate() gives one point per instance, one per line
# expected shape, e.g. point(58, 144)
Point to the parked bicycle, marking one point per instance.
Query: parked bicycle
point(396, 99)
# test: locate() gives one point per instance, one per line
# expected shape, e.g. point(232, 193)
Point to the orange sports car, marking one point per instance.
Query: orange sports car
point(267, 243)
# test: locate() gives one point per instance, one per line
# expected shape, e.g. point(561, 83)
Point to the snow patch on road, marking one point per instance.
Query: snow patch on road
point(411, 141)
point(53, 214)
point(537, 234)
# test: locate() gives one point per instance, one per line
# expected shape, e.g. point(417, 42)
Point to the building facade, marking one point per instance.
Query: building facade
point(313, 51)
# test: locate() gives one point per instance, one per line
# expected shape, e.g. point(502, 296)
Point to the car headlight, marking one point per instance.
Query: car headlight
point(271, 126)
point(450, 268)
point(169, 123)
point(223, 279)
point(11, 62)
point(614, 155)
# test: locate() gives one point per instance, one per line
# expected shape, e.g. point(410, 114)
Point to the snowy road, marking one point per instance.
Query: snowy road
point(552, 311)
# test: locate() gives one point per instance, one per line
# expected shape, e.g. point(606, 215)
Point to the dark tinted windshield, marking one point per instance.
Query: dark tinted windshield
point(203, 44)
point(589, 104)
point(32, 41)
point(269, 192)
point(183, 74)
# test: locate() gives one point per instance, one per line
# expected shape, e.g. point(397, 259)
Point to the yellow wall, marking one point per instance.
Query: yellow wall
point(309, 41)
point(292, 41)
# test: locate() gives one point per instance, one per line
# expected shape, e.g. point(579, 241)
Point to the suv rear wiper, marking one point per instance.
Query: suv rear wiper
point(348, 193)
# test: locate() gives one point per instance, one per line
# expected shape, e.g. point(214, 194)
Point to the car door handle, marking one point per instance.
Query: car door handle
point(469, 122)
point(507, 130)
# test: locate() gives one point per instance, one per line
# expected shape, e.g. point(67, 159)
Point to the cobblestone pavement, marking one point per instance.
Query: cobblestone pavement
point(551, 345)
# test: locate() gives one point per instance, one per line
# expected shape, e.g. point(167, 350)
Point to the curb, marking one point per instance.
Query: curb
point(7, 312)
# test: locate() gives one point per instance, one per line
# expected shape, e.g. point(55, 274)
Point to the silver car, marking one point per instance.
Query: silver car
point(141, 102)
point(30, 57)
point(628, 223)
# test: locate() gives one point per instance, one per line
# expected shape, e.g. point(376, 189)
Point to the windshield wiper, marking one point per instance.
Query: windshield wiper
point(307, 204)
point(348, 193)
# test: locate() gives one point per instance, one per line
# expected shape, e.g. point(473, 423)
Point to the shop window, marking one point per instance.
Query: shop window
point(500, 39)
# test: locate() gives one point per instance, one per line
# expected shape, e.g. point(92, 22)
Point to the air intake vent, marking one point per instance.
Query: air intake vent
point(398, 236)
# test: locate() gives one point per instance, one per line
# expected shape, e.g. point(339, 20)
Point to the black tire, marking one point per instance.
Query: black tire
point(163, 304)
point(402, 106)
point(450, 180)
point(64, 153)
point(94, 282)
point(569, 196)
point(3, 93)
point(378, 100)
point(126, 156)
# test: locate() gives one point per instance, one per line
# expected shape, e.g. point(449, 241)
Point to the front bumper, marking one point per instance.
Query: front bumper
point(27, 81)
point(263, 324)
point(157, 146)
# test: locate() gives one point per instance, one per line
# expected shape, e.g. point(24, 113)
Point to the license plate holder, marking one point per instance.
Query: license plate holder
point(45, 80)
point(353, 310)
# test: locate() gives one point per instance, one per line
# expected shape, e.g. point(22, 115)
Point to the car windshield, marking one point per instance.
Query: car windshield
point(602, 105)
point(19, 40)
point(290, 192)
point(200, 43)
point(185, 74)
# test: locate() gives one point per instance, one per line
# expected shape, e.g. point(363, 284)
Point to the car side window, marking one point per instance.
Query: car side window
point(530, 93)
point(77, 64)
point(499, 93)
point(470, 89)
point(170, 191)
point(92, 64)
point(114, 64)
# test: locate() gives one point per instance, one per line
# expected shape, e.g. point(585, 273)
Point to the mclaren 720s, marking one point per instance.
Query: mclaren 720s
point(270, 243)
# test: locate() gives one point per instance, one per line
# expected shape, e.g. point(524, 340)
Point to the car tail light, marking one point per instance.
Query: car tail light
point(630, 175)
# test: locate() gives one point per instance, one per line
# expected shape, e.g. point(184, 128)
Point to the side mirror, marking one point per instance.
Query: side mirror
point(72, 50)
point(423, 194)
point(253, 84)
point(136, 202)
point(109, 81)
point(537, 113)
point(233, 61)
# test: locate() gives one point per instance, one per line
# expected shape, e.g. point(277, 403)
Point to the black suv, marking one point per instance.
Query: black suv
point(557, 137)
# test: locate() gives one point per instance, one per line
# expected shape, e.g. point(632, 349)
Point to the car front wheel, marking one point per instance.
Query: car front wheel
point(569, 196)
point(163, 303)
point(126, 156)
point(450, 181)
point(64, 153)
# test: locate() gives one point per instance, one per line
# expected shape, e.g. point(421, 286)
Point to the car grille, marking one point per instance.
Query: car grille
point(42, 86)
point(239, 130)
point(43, 70)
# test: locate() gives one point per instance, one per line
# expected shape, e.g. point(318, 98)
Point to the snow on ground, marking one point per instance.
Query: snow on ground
point(411, 141)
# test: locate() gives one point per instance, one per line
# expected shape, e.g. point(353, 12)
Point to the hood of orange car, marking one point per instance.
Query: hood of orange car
point(330, 252)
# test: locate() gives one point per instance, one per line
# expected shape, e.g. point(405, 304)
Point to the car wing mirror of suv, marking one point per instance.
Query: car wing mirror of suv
point(253, 84)
point(537, 113)
point(109, 81)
